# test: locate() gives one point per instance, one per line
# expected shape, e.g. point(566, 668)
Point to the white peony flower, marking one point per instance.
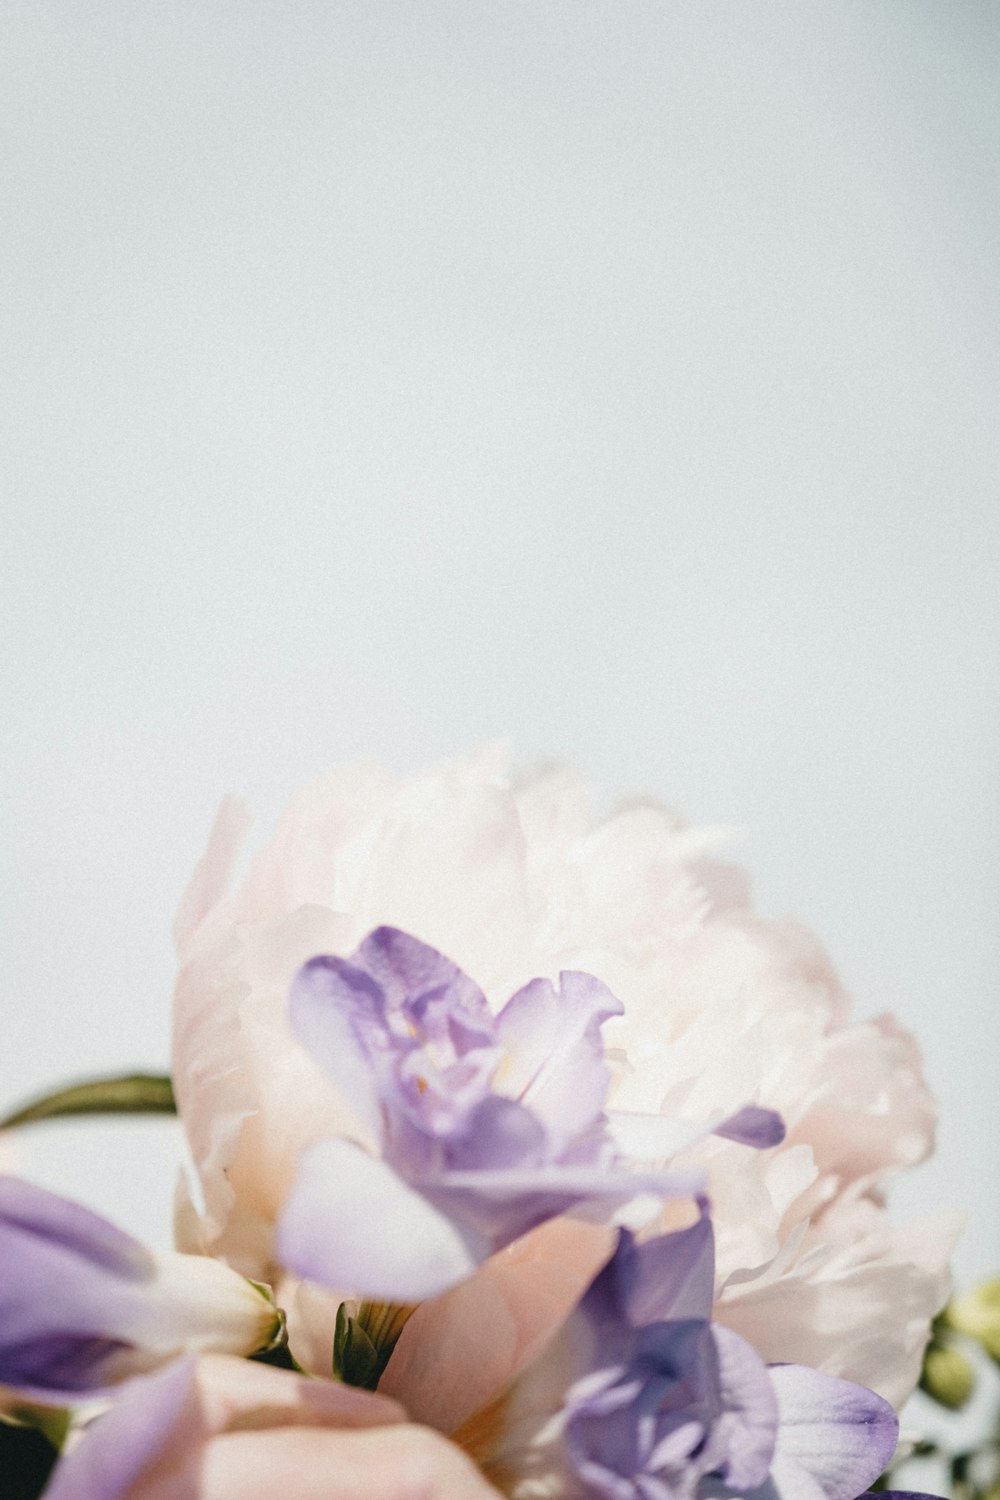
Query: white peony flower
point(511, 878)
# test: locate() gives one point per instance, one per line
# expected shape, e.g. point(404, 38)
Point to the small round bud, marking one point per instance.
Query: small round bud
point(947, 1376)
point(978, 1314)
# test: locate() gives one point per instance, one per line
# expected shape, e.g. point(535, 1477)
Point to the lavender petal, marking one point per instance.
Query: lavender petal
point(407, 970)
point(337, 1011)
point(115, 1449)
point(753, 1126)
point(554, 1059)
point(31, 1212)
point(352, 1223)
point(501, 1205)
point(497, 1133)
point(747, 1423)
point(669, 1277)
point(68, 1277)
point(840, 1434)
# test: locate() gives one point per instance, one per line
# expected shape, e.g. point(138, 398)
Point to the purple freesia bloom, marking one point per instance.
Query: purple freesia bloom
point(641, 1397)
point(83, 1305)
point(475, 1128)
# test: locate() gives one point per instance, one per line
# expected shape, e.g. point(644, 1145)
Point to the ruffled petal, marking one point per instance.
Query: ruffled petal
point(554, 1054)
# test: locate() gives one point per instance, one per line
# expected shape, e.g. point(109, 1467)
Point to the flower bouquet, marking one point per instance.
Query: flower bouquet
point(524, 1159)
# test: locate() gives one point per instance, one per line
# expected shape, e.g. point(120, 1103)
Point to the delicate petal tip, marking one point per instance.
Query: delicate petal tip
point(843, 1435)
point(405, 968)
point(590, 996)
point(753, 1126)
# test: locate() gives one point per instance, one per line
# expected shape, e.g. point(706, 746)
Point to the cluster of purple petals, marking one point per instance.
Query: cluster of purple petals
point(69, 1279)
point(674, 1407)
point(494, 1123)
point(411, 1042)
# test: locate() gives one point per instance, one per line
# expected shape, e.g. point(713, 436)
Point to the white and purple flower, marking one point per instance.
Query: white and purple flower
point(641, 1397)
point(84, 1306)
point(471, 1129)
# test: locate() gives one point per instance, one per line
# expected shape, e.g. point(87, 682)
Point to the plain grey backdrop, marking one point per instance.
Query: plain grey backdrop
point(378, 378)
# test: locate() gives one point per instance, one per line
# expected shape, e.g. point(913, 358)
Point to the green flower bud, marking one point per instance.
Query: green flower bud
point(978, 1314)
point(947, 1376)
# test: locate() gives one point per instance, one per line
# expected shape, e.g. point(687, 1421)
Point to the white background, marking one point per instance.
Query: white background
point(619, 377)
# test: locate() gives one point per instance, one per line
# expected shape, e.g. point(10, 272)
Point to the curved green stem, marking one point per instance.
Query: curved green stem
point(131, 1094)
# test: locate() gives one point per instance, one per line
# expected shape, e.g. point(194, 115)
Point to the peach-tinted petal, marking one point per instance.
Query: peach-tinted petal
point(459, 1350)
point(163, 1426)
point(393, 1463)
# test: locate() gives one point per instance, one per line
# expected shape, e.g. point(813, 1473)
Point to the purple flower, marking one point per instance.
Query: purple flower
point(472, 1128)
point(641, 1397)
point(84, 1306)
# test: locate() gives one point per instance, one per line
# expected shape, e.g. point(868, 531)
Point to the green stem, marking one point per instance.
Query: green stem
point(131, 1094)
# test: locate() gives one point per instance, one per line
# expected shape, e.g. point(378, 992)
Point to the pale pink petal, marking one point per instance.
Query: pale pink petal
point(211, 876)
point(875, 1114)
point(392, 1463)
point(297, 867)
point(859, 1310)
point(458, 1351)
point(164, 1421)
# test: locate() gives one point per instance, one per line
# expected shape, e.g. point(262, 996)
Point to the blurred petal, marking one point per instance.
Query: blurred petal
point(749, 1411)
point(33, 1218)
point(650, 1137)
point(352, 1223)
point(84, 1306)
point(211, 876)
point(161, 1422)
point(398, 1463)
point(670, 1276)
point(115, 1449)
point(461, 1348)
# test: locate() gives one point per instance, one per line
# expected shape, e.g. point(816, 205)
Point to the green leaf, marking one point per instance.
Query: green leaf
point(355, 1358)
point(278, 1355)
point(133, 1094)
point(51, 1421)
point(27, 1458)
